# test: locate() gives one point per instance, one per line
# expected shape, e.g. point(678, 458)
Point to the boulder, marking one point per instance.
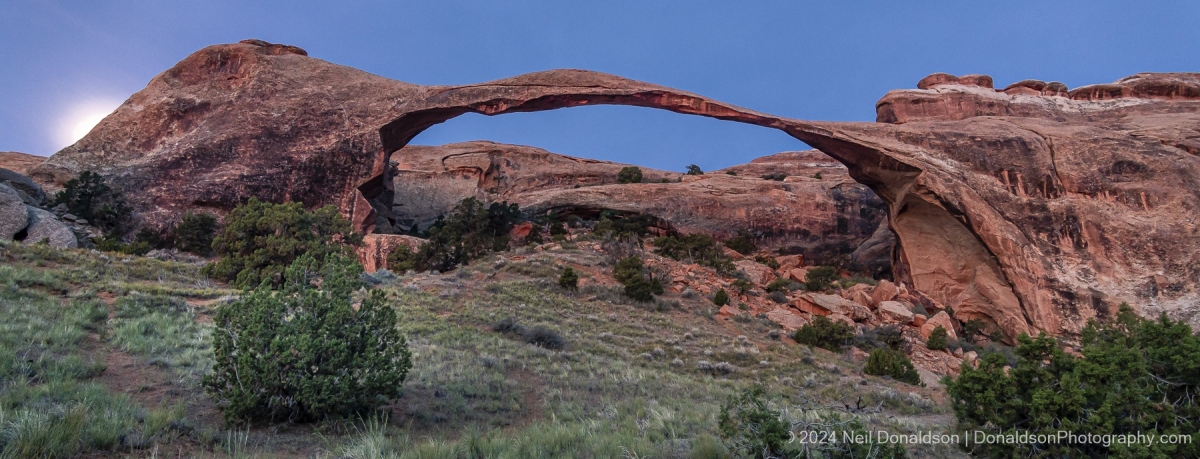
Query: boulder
point(940, 319)
point(29, 191)
point(787, 318)
point(43, 226)
point(894, 312)
point(790, 262)
point(885, 290)
point(798, 274)
point(838, 305)
point(13, 216)
point(919, 320)
point(759, 273)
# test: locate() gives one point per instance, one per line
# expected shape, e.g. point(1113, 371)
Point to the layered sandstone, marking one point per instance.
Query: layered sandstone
point(19, 162)
point(1033, 208)
point(826, 218)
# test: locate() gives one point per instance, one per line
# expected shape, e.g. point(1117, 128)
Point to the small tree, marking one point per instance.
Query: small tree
point(629, 272)
point(261, 239)
point(826, 334)
point(820, 278)
point(890, 362)
point(88, 196)
point(750, 428)
point(937, 339)
point(630, 174)
point(743, 243)
point(694, 170)
point(569, 279)
point(720, 298)
point(307, 352)
point(195, 233)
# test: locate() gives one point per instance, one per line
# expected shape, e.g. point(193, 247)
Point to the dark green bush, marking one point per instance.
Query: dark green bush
point(937, 339)
point(826, 334)
point(820, 278)
point(114, 245)
point(640, 286)
point(470, 231)
point(544, 337)
point(304, 352)
point(770, 262)
point(696, 248)
point(731, 172)
point(617, 225)
point(891, 362)
point(779, 285)
point(777, 176)
point(742, 286)
point(743, 243)
point(1134, 376)
point(887, 336)
point(750, 428)
point(629, 174)
point(569, 279)
point(261, 239)
point(720, 298)
point(693, 169)
point(88, 196)
point(195, 233)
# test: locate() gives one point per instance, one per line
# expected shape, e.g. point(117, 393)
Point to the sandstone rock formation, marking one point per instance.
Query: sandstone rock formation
point(13, 216)
point(19, 162)
point(1032, 212)
point(826, 219)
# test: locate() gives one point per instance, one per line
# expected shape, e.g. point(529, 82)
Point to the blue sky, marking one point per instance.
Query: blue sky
point(65, 60)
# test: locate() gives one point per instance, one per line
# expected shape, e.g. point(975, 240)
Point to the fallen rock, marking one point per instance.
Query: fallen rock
point(13, 216)
point(787, 318)
point(798, 274)
point(43, 226)
point(940, 319)
point(758, 273)
point(885, 290)
point(894, 312)
point(790, 262)
point(29, 191)
point(837, 305)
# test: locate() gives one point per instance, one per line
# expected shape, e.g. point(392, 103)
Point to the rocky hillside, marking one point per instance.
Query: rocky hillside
point(811, 207)
point(19, 162)
point(1032, 208)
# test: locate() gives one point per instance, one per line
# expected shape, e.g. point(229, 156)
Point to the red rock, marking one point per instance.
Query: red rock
point(786, 318)
point(919, 320)
point(838, 305)
point(1032, 213)
point(790, 262)
point(940, 319)
point(521, 231)
point(798, 274)
point(376, 247)
point(19, 162)
point(885, 290)
point(894, 312)
point(759, 274)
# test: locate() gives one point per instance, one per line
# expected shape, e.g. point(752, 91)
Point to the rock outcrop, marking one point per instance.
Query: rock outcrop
point(19, 162)
point(1031, 212)
point(13, 216)
point(827, 218)
point(45, 228)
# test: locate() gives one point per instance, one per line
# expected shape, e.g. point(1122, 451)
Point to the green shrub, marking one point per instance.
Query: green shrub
point(114, 245)
point(731, 172)
point(402, 260)
point(720, 298)
point(569, 279)
point(779, 285)
point(470, 231)
point(777, 176)
point(887, 336)
point(629, 174)
point(937, 339)
point(195, 233)
point(544, 337)
point(617, 225)
point(891, 362)
point(820, 278)
point(750, 428)
point(261, 239)
point(973, 329)
point(88, 196)
point(742, 286)
point(629, 272)
point(305, 352)
point(693, 169)
point(770, 262)
point(779, 297)
point(826, 334)
point(1134, 376)
point(743, 243)
point(697, 248)
point(817, 176)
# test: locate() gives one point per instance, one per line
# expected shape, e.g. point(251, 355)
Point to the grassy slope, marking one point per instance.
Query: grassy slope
point(107, 352)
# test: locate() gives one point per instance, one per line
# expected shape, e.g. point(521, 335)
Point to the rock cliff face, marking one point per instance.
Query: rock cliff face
point(19, 162)
point(1033, 208)
point(825, 218)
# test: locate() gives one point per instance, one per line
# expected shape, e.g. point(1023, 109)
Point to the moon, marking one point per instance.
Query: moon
point(79, 120)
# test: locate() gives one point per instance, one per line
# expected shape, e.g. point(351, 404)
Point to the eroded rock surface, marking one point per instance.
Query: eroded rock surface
point(825, 218)
point(1025, 208)
point(19, 162)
